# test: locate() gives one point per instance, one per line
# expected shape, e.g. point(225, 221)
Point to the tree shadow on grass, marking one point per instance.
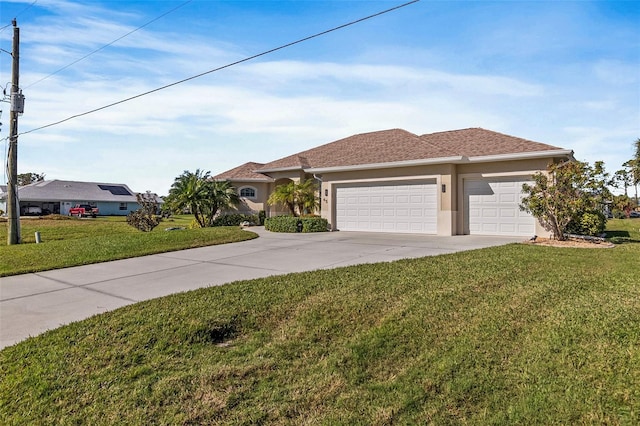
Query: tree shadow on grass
point(620, 234)
point(620, 237)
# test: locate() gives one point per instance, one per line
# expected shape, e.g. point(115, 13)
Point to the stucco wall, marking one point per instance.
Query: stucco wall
point(259, 202)
point(449, 179)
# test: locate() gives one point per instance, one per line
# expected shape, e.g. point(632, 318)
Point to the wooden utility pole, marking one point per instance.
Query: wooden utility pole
point(17, 107)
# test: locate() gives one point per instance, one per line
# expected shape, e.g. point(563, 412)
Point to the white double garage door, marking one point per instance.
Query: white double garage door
point(491, 207)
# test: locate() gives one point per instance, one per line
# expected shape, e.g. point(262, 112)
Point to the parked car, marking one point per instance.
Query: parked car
point(634, 214)
point(32, 211)
point(83, 210)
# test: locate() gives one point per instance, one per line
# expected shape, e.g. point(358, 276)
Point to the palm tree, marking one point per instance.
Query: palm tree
point(221, 195)
point(284, 194)
point(306, 197)
point(299, 198)
point(635, 167)
point(201, 195)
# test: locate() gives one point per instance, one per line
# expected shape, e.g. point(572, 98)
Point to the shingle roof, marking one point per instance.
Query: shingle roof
point(393, 146)
point(365, 148)
point(478, 142)
point(57, 190)
point(397, 145)
point(244, 172)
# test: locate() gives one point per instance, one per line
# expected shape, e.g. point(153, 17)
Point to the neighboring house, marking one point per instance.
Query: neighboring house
point(58, 196)
point(447, 183)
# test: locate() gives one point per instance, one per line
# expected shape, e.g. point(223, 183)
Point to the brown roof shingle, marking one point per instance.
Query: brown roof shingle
point(244, 171)
point(394, 145)
point(398, 145)
point(366, 148)
point(477, 142)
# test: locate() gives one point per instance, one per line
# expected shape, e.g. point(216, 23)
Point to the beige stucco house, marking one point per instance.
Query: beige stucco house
point(447, 183)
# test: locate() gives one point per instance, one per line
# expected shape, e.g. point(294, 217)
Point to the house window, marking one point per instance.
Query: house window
point(123, 206)
point(248, 192)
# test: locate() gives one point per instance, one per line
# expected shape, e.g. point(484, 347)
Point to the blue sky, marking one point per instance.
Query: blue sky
point(566, 73)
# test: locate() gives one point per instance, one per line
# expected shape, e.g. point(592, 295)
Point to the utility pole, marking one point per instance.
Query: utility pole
point(17, 107)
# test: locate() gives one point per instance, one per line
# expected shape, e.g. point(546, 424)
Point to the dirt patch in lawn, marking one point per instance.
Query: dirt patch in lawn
point(571, 242)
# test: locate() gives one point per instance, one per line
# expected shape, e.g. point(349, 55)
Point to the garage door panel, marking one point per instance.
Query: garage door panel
point(508, 198)
point(492, 208)
point(410, 208)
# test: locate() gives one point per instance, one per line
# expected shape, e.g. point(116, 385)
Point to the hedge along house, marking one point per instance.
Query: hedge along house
point(447, 183)
point(58, 196)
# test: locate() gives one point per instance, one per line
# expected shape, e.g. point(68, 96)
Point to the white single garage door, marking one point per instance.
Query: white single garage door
point(492, 207)
point(407, 207)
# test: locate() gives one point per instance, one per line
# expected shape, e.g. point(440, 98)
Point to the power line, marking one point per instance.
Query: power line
point(110, 43)
point(18, 14)
point(223, 67)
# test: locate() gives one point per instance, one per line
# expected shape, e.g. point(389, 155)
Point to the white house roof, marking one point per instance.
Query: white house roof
point(66, 190)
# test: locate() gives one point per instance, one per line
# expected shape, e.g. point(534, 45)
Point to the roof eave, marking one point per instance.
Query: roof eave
point(390, 165)
point(564, 153)
point(265, 179)
point(281, 169)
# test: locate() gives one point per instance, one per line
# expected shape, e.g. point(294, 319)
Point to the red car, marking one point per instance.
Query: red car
point(83, 210)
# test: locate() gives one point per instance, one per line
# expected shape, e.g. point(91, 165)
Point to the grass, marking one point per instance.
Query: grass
point(72, 242)
point(517, 334)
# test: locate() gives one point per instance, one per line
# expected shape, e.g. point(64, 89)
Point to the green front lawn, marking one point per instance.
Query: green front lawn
point(72, 242)
point(518, 334)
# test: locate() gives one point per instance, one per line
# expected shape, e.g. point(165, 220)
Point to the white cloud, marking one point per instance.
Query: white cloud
point(265, 109)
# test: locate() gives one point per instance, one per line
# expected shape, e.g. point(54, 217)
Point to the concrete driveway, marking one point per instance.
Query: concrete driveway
point(33, 303)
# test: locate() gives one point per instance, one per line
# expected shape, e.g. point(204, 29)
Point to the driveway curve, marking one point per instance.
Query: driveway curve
point(33, 303)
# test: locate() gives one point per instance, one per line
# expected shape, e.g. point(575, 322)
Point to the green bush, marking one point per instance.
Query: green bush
point(143, 221)
point(290, 224)
point(145, 218)
point(235, 219)
point(588, 223)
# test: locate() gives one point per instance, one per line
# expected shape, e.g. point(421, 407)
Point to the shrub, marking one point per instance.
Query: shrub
point(145, 218)
point(142, 221)
point(235, 219)
point(262, 215)
point(589, 223)
point(195, 224)
point(290, 224)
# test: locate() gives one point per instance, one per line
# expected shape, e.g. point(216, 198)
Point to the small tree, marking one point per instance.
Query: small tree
point(201, 195)
point(284, 194)
point(29, 178)
point(622, 206)
point(306, 199)
point(622, 177)
point(299, 198)
point(145, 218)
point(564, 194)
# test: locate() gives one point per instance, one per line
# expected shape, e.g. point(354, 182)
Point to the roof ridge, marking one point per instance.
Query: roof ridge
point(455, 130)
